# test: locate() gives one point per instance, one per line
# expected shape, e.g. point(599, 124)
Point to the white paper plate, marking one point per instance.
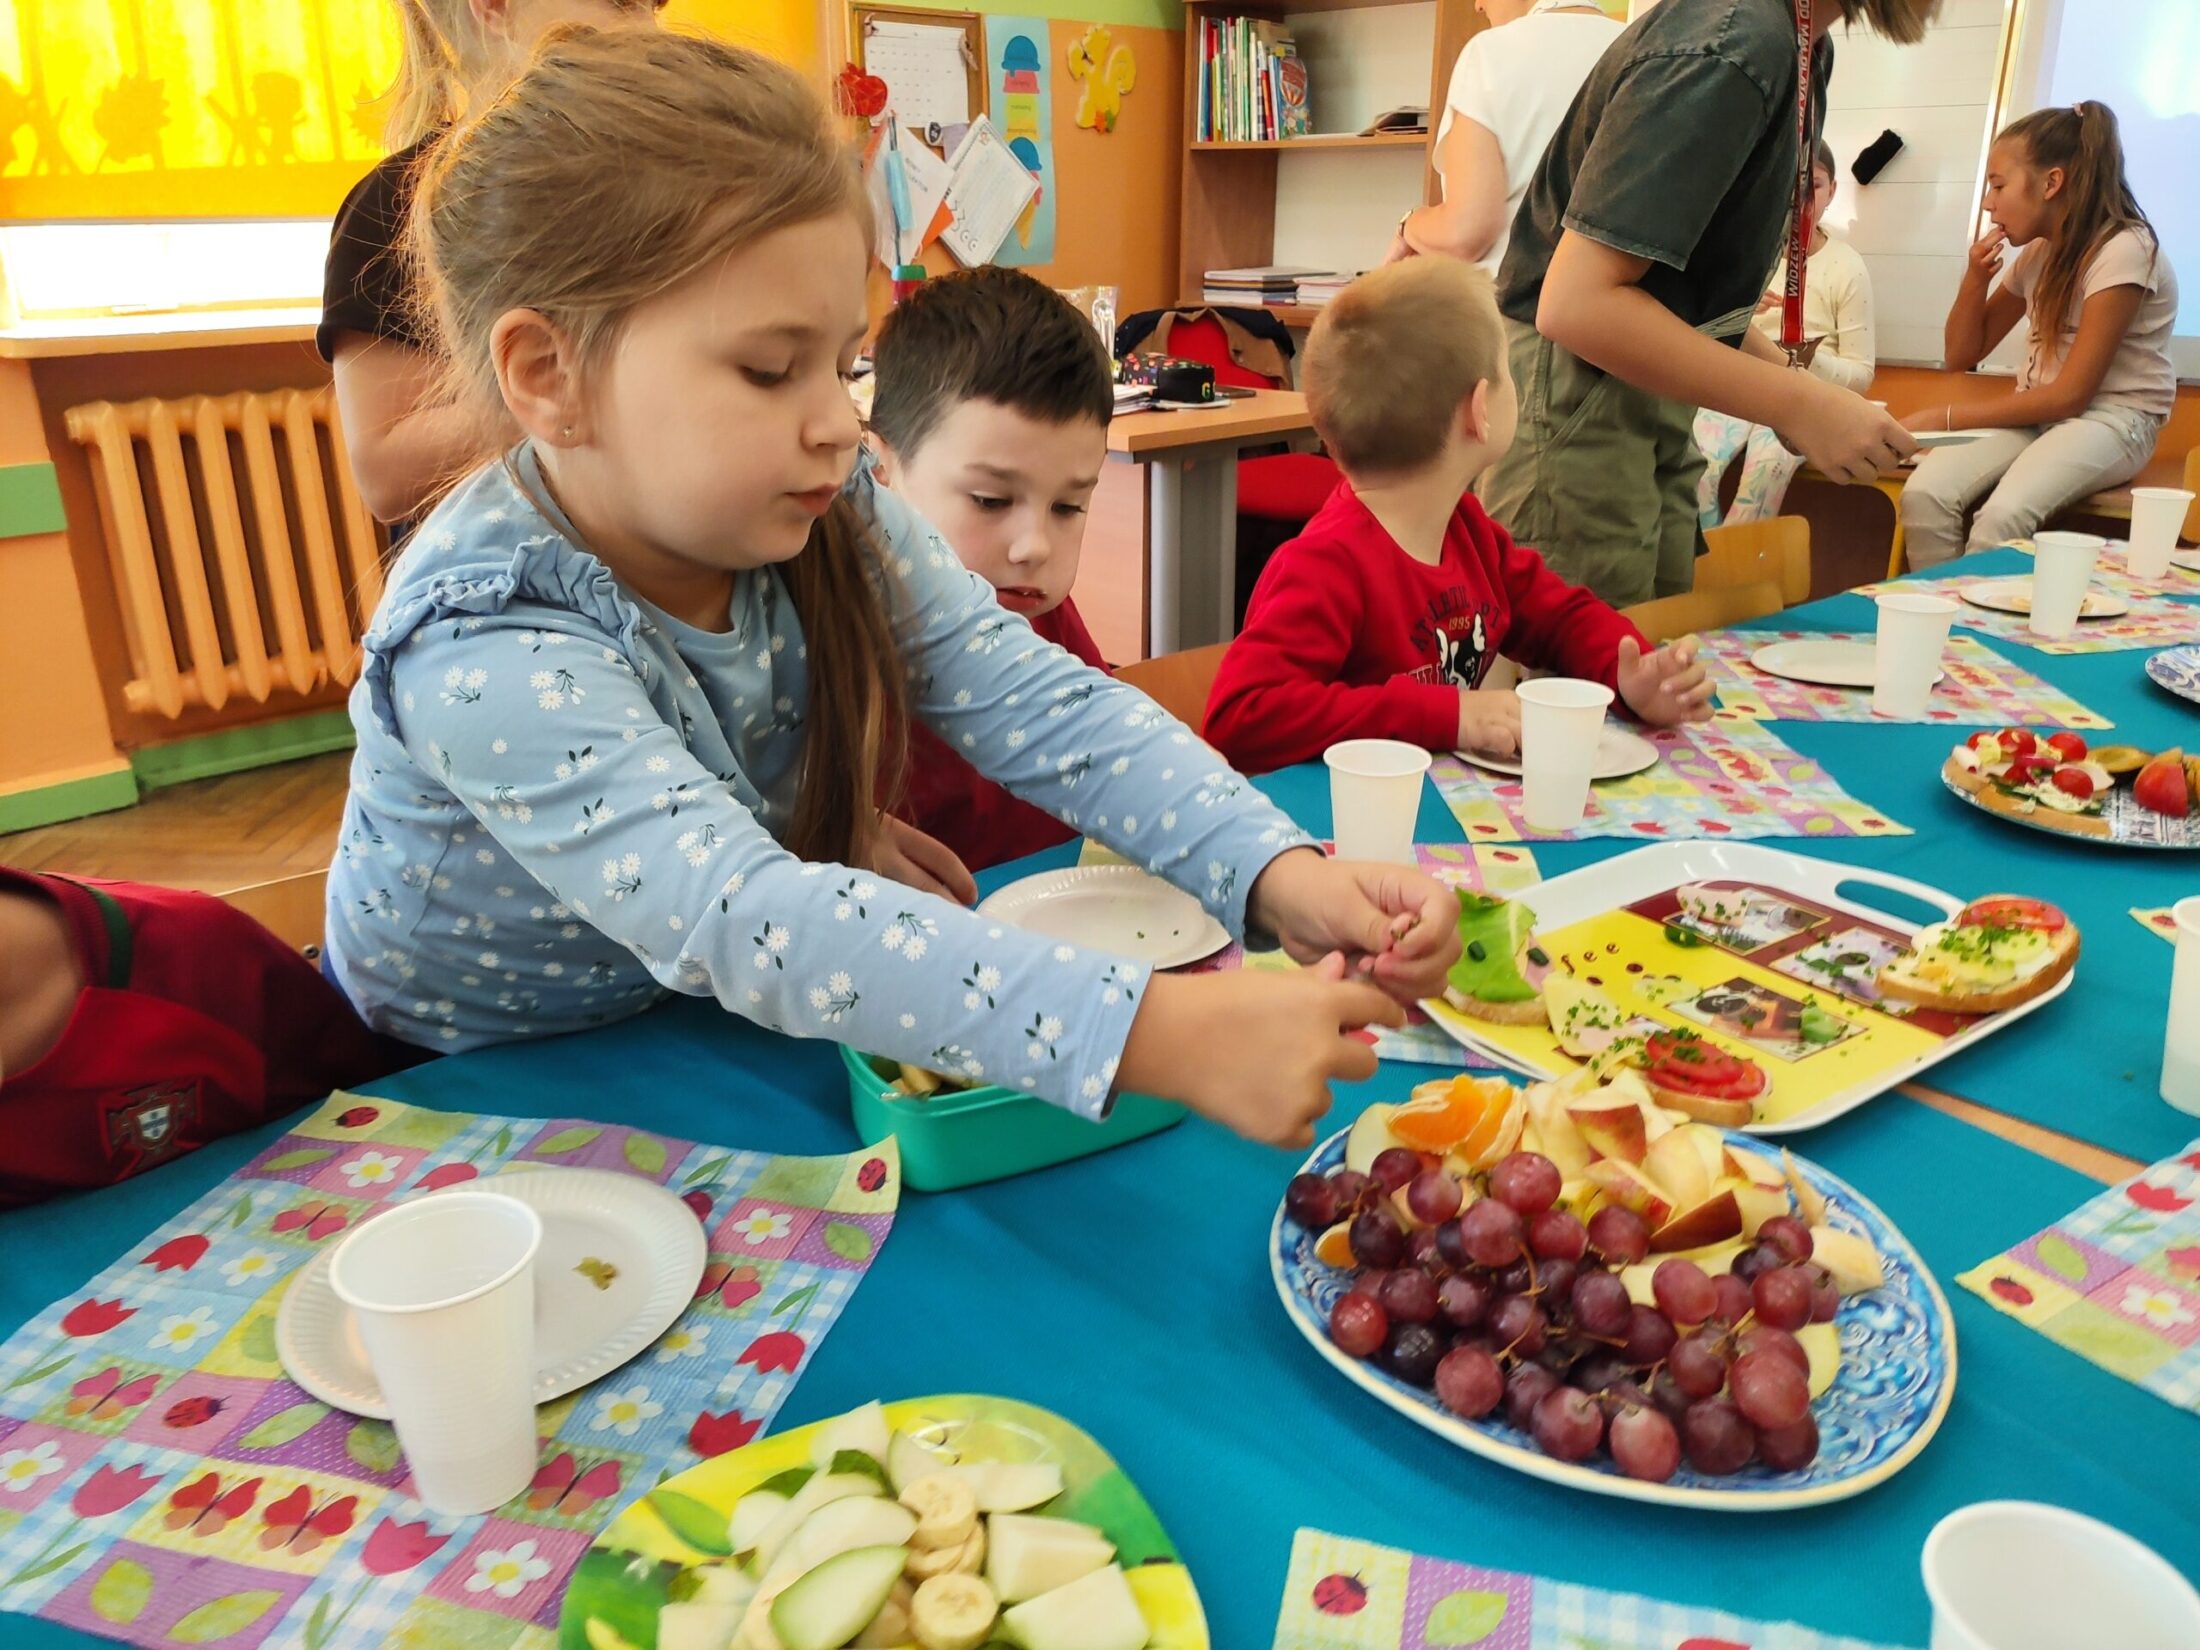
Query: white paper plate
point(1823, 664)
point(2015, 596)
point(1619, 753)
point(642, 1249)
point(1116, 909)
point(2189, 560)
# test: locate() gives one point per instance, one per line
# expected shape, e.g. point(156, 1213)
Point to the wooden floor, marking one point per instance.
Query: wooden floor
point(211, 834)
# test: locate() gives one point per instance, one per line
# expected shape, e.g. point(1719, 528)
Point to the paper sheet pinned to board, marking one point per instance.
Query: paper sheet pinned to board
point(926, 178)
point(989, 191)
point(927, 78)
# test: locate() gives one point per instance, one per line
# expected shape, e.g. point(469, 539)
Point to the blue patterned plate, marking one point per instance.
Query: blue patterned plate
point(1898, 1372)
point(2177, 670)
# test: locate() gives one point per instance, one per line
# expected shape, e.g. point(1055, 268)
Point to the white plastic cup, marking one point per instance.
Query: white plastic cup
point(1375, 798)
point(1913, 633)
point(2157, 516)
point(2062, 566)
point(443, 1291)
point(2019, 1575)
point(1561, 721)
point(2181, 1042)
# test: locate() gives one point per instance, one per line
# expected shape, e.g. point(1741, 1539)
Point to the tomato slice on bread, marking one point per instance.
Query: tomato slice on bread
point(1683, 1061)
point(2013, 911)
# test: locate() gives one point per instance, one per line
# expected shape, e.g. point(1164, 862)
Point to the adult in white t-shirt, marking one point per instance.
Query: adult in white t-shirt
point(1511, 87)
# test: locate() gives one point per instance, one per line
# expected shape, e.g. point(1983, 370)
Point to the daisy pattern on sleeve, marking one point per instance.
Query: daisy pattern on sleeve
point(564, 806)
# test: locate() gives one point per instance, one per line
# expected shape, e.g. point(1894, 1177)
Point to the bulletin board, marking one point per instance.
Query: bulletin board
point(862, 17)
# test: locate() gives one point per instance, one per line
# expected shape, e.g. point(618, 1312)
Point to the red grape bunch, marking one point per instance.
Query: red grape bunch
point(1502, 1301)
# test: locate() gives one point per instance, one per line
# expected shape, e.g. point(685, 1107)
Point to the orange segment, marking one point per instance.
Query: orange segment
point(1471, 1116)
point(1334, 1247)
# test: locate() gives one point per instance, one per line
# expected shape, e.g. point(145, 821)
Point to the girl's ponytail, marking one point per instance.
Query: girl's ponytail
point(430, 84)
point(2098, 205)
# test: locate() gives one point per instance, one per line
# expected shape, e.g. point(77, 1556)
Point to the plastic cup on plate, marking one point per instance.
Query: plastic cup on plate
point(1561, 720)
point(2019, 1575)
point(2157, 513)
point(1913, 633)
point(2181, 1043)
point(2062, 566)
point(443, 1291)
point(1375, 798)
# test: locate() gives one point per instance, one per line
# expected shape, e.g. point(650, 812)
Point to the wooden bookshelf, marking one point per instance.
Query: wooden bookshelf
point(1227, 211)
point(1328, 140)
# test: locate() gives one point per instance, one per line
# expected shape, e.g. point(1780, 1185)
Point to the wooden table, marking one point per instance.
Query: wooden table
point(1191, 507)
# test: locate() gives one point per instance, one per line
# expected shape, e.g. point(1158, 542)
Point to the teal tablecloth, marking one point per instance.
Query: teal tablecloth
point(1131, 1291)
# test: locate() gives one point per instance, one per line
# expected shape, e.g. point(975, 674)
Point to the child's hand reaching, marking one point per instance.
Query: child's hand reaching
point(1489, 721)
point(1253, 1050)
point(1667, 686)
point(904, 854)
point(1396, 925)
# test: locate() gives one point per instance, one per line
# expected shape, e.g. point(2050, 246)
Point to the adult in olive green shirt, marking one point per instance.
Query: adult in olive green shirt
point(1637, 257)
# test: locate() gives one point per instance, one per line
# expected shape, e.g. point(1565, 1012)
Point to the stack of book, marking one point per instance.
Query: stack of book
point(1319, 289)
point(1251, 81)
point(1269, 284)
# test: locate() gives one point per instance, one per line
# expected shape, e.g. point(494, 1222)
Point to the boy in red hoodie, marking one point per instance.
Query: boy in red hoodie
point(990, 416)
point(1382, 618)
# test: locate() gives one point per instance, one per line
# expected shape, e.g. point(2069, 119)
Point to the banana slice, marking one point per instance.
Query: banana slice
point(953, 1612)
point(962, 1559)
point(946, 1509)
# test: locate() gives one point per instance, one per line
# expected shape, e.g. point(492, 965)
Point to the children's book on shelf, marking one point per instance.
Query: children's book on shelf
point(1252, 83)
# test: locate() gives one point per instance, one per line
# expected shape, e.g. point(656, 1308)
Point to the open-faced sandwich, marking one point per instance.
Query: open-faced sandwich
point(1500, 971)
point(2047, 780)
point(1997, 953)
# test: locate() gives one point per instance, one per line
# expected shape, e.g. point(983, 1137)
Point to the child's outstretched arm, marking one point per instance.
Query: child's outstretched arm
point(1279, 699)
point(551, 742)
point(1108, 761)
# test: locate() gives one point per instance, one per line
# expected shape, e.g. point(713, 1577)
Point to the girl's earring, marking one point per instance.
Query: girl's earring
point(566, 430)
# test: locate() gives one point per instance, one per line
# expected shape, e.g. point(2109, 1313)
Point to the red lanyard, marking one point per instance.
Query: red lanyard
point(1791, 313)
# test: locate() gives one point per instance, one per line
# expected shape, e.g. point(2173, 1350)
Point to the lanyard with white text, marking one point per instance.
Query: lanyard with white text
point(1799, 228)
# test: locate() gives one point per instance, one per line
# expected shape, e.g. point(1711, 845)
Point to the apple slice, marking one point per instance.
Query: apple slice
point(1759, 1204)
point(1009, 1486)
point(1810, 1203)
point(1675, 1164)
point(841, 1527)
point(863, 1430)
point(1629, 1187)
point(1712, 1221)
point(1757, 1170)
point(1557, 1137)
point(1370, 1138)
point(1095, 1612)
point(1821, 1343)
point(908, 1460)
point(1853, 1262)
point(831, 1604)
point(1614, 1126)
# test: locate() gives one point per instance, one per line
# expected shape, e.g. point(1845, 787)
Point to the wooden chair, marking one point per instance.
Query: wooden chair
point(1179, 682)
point(292, 907)
point(1775, 551)
point(1700, 609)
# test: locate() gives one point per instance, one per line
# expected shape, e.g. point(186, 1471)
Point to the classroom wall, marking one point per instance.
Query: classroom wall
point(791, 30)
point(1913, 224)
point(1115, 221)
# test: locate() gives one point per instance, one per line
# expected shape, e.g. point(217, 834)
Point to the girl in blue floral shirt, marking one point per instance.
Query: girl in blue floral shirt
point(630, 688)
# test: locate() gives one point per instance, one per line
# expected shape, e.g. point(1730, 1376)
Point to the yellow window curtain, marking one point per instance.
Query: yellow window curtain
point(189, 108)
point(231, 108)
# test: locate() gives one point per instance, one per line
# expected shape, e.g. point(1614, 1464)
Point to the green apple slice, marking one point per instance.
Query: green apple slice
point(831, 1604)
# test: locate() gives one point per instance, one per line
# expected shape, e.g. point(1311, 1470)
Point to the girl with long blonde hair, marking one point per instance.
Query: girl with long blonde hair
point(630, 691)
point(403, 442)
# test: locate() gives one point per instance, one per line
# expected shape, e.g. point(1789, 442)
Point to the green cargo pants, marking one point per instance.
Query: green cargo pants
point(1601, 477)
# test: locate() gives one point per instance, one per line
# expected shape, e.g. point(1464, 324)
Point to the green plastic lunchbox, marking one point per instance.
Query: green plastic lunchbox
point(963, 1139)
